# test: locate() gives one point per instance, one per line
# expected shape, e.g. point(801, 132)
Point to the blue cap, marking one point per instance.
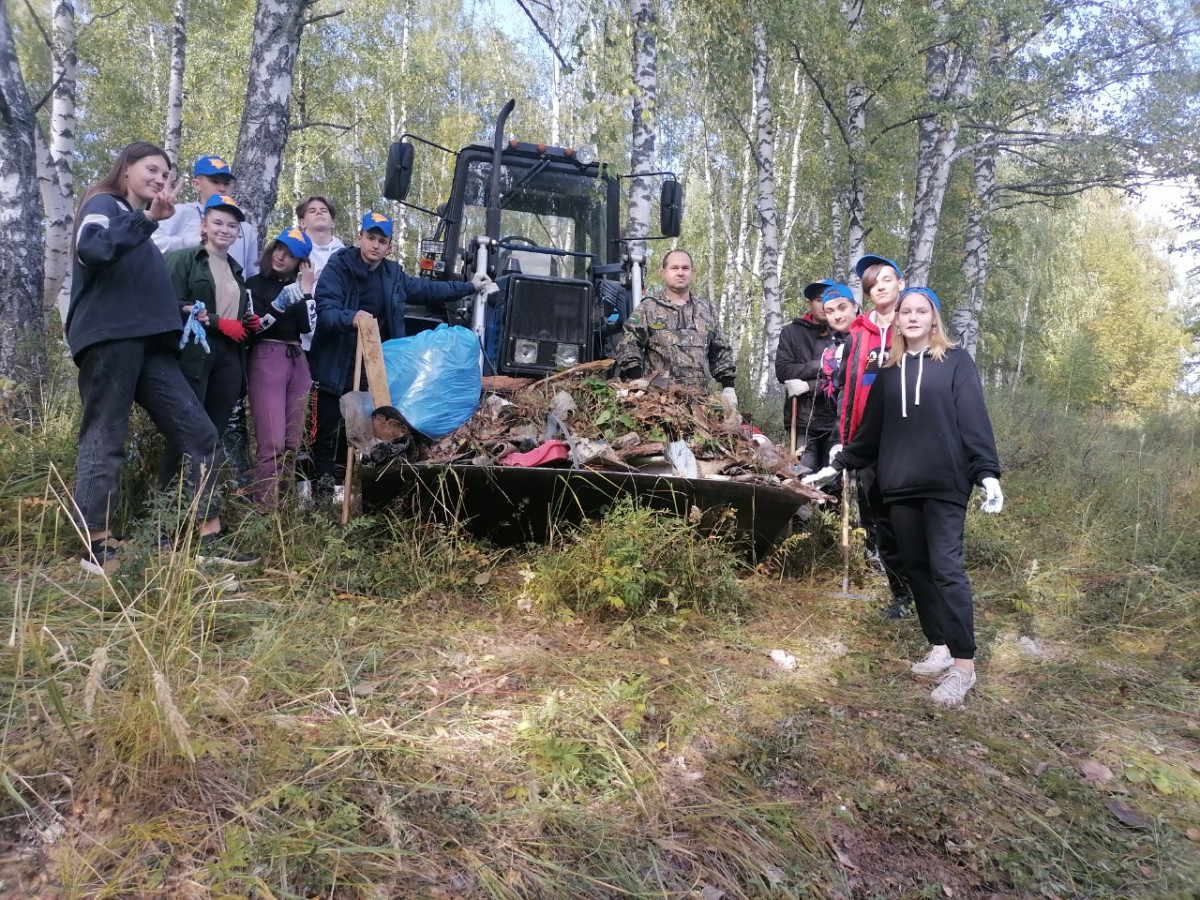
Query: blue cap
point(297, 242)
point(814, 290)
point(377, 221)
point(865, 262)
point(933, 298)
point(212, 165)
point(224, 201)
point(836, 290)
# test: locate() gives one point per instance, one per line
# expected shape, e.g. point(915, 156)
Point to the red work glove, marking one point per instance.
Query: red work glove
point(252, 322)
point(232, 329)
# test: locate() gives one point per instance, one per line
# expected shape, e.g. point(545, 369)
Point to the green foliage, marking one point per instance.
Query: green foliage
point(637, 562)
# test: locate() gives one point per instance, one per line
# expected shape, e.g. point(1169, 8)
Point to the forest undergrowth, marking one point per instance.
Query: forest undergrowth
point(397, 709)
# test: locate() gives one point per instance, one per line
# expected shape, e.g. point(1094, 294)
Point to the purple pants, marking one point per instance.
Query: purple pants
point(279, 382)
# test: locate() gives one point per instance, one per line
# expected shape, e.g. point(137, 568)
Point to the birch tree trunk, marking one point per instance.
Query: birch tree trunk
point(56, 176)
point(263, 137)
point(22, 266)
point(856, 145)
point(949, 82)
point(965, 321)
point(764, 157)
point(173, 132)
point(645, 124)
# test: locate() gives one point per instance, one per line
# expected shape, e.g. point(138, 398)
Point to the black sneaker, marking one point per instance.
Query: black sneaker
point(901, 608)
point(103, 556)
point(216, 548)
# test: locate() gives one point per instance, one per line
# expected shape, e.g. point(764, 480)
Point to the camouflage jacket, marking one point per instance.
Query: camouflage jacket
point(684, 340)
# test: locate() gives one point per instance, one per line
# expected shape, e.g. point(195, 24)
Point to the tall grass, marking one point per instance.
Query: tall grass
point(395, 709)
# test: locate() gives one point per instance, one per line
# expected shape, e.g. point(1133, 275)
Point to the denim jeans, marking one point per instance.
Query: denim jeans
point(113, 375)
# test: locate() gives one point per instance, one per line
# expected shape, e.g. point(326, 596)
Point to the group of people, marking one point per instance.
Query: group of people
point(885, 394)
point(176, 308)
point(889, 396)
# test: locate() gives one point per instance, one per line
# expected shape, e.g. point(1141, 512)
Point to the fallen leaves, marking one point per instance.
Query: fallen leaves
point(1124, 814)
point(1095, 772)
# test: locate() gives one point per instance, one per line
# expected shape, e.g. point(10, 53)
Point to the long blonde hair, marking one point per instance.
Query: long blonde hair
point(939, 343)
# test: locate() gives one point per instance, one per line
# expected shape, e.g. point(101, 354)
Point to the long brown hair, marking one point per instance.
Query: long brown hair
point(266, 263)
point(113, 180)
point(939, 343)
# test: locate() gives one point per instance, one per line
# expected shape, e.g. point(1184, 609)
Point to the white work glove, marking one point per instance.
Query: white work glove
point(993, 500)
point(482, 283)
point(729, 395)
point(796, 387)
point(833, 452)
point(818, 479)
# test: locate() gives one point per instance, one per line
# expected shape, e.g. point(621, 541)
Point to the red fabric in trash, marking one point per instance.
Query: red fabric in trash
point(547, 454)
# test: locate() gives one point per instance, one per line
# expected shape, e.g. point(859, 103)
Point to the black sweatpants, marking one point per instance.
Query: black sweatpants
point(881, 531)
point(329, 443)
point(218, 386)
point(930, 533)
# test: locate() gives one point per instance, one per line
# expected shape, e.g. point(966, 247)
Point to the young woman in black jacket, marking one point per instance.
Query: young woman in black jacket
point(926, 423)
point(123, 328)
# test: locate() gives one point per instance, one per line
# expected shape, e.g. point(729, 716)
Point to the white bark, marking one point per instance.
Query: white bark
point(791, 213)
point(965, 321)
point(22, 356)
point(856, 146)
point(173, 132)
point(950, 74)
point(263, 137)
point(645, 123)
point(764, 157)
point(56, 176)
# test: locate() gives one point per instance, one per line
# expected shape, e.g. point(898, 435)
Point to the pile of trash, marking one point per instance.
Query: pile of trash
point(577, 419)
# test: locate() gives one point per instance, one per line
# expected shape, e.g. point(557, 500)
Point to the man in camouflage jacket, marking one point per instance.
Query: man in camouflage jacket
point(677, 332)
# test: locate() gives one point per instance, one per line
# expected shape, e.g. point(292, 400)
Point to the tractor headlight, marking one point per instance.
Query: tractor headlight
point(566, 355)
point(525, 352)
point(586, 154)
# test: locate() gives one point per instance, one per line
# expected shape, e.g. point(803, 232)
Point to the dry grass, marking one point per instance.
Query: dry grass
point(394, 710)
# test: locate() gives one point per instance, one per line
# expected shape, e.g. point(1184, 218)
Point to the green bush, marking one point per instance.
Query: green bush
point(638, 561)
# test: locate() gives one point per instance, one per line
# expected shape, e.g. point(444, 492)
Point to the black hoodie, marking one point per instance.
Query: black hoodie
point(801, 343)
point(927, 425)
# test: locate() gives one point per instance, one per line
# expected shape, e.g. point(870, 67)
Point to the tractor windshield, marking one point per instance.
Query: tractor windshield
point(544, 207)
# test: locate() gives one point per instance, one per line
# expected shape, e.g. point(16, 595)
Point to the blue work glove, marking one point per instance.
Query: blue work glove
point(193, 330)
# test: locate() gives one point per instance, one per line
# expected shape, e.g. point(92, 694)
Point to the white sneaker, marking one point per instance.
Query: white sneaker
point(953, 686)
point(938, 660)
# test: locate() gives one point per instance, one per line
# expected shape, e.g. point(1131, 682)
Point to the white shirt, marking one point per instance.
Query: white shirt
point(318, 257)
point(182, 230)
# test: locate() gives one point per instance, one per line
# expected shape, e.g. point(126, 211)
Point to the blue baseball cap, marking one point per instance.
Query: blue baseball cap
point(224, 201)
point(212, 165)
point(836, 290)
point(814, 290)
point(297, 242)
point(378, 221)
point(865, 262)
point(933, 298)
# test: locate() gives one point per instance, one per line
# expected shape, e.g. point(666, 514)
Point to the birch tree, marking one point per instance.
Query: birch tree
point(56, 157)
point(173, 132)
point(950, 72)
point(22, 357)
point(764, 158)
point(263, 136)
point(645, 126)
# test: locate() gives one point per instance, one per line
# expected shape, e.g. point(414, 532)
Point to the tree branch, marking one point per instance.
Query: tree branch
point(545, 37)
point(841, 127)
point(313, 19)
point(50, 91)
point(300, 126)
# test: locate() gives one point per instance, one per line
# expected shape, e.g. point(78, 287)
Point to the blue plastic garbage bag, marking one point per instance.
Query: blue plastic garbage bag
point(434, 378)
